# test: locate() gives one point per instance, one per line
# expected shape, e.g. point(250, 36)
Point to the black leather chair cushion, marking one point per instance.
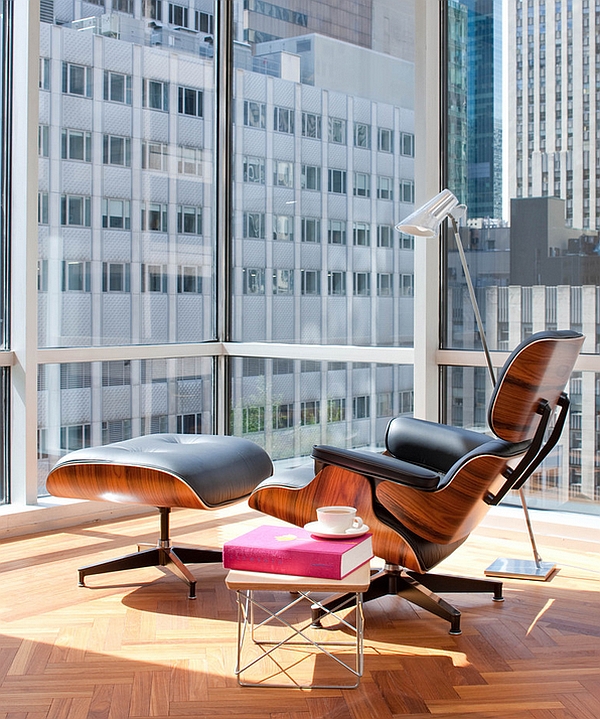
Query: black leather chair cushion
point(219, 469)
point(379, 466)
point(431, 445)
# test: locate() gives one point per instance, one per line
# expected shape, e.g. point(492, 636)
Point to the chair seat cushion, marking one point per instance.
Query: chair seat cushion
point(218, 469)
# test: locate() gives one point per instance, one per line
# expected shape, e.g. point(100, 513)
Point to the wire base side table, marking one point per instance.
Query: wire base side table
point(278, 647)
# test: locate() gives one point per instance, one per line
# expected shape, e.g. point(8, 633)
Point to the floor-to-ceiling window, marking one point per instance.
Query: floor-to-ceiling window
point(134, 333)
point(522, 150)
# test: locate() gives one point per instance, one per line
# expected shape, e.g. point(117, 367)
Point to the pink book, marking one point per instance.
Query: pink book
point(291, 550)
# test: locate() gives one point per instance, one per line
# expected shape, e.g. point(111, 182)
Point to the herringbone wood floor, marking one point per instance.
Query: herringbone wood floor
point(132, 645)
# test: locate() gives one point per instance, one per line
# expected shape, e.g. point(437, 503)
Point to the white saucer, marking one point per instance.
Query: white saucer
point(317, 530)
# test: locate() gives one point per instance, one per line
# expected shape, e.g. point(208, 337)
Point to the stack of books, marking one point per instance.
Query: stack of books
point(282, 550)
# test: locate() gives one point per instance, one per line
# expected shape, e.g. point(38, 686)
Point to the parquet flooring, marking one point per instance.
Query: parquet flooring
point(132, 645)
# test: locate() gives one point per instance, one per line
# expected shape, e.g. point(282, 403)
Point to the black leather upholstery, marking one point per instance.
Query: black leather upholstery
point(219, 469)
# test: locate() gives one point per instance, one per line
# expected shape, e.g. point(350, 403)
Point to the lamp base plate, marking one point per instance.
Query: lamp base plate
point(521, 569)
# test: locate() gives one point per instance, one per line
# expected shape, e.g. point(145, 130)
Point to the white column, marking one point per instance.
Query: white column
point(427, 184)
point(24, 251)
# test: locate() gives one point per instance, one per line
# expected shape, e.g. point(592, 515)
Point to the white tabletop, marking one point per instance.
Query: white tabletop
point(356, 581)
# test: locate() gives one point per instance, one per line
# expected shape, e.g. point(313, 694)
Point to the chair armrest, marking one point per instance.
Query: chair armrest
point(379, 466)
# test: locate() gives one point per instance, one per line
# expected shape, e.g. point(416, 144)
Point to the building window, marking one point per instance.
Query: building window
point(43, 136)
point(362, 284)
point(254, 281)
point(44, 73)
point(75, 210)
point(255, 114)
point(311, 177)
point(204, 22)
point(43, 208)
point(189, 220)
point(155, 424)
point(253, 419)
point(384, 404)
point(154, 156)
point(75, 375)
point(189, 161)
point(123, 6)
point(407, 285)
point(116, 277)
point(42, 275)
point(310, 412)
point(155, 95)
point(311, 282)
point(153, 9)
point(178, 15)
point(76, 79)
point(283, 282)
point(254, 225)
point(253, 367)
point(283, 416)
point(116, 150)
point(283, 120)
point(385, 236)
point(407, 191)
point(384, 284)
point(76, 276)
point(362, 135)
point(336, 410)
point(361, 234)
point(336, 283)
point(189, 101)
point(117, 87)
point(406, 402)
point(254, 169)
point(116, 214)
point(336, 181)
point(76, 145)
point(154, 217)
point(360, 407)
point(153, 278)
point(283, 227)
point(283, 173)
point(362, 184)
point(337, 130)
point(311, 229)
point(385, 188)
point(407, 242)
point(385, 140)
point(336, 232)
point(283, 366)
point(116, 373)
point(407, 144)
point(116, 430)
point(189, 423)
point(75, 436)
point(189, 280)
point(311, 125)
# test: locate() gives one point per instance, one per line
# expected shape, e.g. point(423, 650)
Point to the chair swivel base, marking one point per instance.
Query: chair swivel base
point(172, 558)
point(419, 589)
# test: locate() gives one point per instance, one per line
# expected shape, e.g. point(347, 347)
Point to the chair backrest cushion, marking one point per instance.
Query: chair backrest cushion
point(538, 369)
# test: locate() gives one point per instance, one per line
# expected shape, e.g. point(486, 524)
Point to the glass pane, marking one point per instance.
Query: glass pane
point(339, 403)
point(83, 404)
point(321, 171)
point(522, 154)
point(132, 183)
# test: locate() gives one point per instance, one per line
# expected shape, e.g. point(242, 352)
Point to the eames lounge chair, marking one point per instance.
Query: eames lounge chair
point(434, 483)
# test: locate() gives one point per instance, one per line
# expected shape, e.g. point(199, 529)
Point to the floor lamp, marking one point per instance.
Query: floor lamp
point(425, 222)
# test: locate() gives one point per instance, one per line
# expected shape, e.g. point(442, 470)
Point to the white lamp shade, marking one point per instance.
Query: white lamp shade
point(425, 221)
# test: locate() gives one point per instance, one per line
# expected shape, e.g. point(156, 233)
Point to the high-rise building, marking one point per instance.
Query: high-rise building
point(553, 136)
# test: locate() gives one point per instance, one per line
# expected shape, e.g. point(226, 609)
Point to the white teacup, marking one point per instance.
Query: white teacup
point(338, 519)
